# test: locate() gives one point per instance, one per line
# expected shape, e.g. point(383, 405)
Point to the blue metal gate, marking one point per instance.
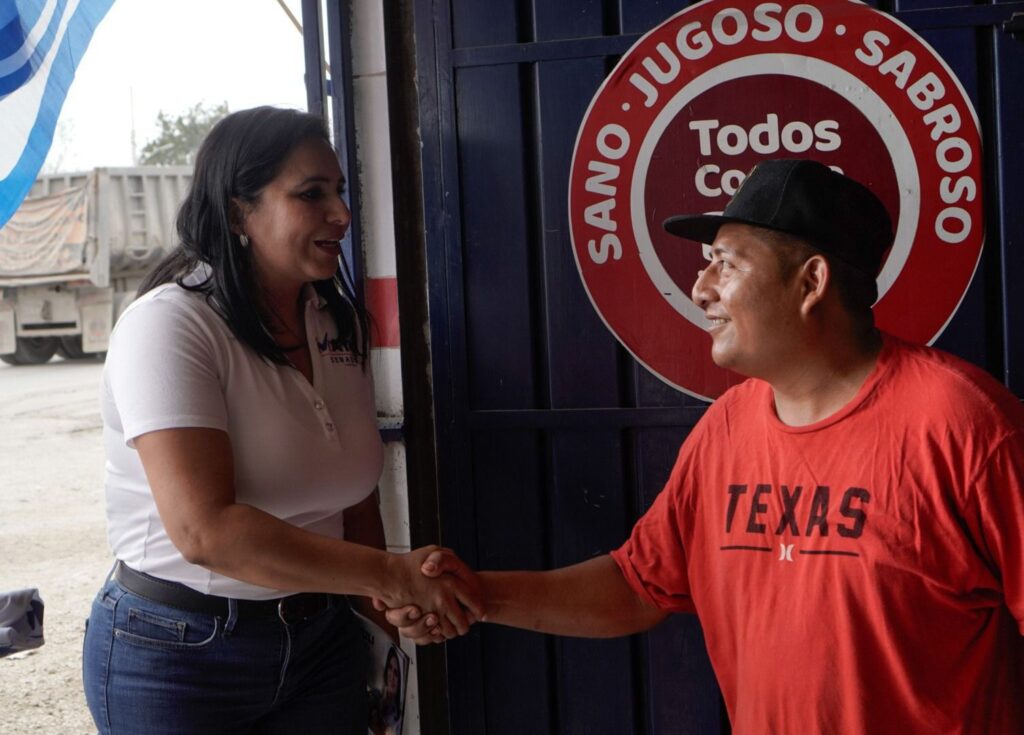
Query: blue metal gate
point(551, 440)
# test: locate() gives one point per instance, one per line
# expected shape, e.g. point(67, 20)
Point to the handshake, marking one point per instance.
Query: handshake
point(433, 596)
point(437, 596)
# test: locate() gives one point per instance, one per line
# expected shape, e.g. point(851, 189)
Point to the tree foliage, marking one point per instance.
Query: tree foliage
point(180, 135)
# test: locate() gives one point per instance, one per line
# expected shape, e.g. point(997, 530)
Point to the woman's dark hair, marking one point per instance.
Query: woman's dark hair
point(241, 154)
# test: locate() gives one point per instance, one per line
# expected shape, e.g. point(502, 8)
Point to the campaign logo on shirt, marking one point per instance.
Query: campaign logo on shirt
point(336, 350)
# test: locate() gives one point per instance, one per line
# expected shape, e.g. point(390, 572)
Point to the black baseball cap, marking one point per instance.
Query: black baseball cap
point(832, 212)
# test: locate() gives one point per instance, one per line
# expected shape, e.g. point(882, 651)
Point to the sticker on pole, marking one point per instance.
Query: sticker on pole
point(702, 98)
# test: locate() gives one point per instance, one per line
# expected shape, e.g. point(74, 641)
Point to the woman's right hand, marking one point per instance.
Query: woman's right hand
point(435, 580)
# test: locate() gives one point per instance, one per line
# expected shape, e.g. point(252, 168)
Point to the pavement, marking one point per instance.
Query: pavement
point(52, 534)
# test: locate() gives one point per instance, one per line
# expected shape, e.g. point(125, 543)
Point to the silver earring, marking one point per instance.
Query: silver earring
point(243, 240)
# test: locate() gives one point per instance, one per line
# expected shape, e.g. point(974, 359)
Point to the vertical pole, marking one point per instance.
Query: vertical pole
point(312, 42)
point(339, 35)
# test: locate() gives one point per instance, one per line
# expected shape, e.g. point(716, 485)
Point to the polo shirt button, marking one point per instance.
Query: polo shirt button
point(319, 405)
point(329, 426)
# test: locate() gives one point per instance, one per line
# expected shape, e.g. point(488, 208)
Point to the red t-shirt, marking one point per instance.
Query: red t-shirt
point(858, 575)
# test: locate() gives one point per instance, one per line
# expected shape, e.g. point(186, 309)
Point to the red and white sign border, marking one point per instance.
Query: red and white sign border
point(657, 287)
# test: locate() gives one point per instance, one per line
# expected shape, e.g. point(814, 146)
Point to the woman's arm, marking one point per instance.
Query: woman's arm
point(363, 525)
point(191, 474)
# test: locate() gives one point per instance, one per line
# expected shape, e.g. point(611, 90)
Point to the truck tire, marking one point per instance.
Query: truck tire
point(32, 351)
point(70, 347)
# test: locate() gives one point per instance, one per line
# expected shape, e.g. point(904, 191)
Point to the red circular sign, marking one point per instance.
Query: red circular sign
point(718, 87)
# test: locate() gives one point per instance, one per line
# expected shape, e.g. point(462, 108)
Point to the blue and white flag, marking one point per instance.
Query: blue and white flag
point(41, 43)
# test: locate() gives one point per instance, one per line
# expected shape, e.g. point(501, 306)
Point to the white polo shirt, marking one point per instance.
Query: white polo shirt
point(302, 452)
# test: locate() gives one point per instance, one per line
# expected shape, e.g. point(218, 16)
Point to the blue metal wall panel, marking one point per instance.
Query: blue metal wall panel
point(517, 687)
point(1008, 140)
point(589, 511)
point(589, 516)
point(567, 19)
point(651, 391)
point(640, 16)
point(594, 687)
point(496, 238)
point(988, 61)
point(511, 529)
point(580, 372)
point(682, 695)
point(512, 519)
point(959, 48)
point(477, 23)
point(442, 212)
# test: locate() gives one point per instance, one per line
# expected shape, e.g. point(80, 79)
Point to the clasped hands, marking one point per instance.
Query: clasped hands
point(438, 596)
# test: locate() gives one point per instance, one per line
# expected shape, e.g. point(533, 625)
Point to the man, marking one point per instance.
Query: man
point(848, 523)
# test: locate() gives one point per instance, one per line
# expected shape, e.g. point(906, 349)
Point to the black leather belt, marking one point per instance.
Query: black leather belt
point(291, 609)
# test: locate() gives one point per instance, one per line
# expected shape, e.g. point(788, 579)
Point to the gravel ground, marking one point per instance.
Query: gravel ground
point(52, 534)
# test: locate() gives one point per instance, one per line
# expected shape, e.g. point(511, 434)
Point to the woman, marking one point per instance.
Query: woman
point(242, 460)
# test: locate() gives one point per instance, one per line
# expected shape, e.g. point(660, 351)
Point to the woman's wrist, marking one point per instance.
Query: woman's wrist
point(393, 580)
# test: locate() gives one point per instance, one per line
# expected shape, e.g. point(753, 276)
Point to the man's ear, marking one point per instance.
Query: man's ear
point(814, 279)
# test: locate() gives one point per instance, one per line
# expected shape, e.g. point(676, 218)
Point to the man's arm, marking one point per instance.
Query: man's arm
point(590, 600)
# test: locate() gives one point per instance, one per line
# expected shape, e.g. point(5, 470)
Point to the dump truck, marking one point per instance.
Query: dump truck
point(74, 254)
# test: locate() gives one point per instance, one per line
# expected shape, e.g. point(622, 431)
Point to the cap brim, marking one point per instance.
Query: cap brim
point(696, 227)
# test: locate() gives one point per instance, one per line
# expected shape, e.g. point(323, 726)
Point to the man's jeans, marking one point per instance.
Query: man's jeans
point(149, 668)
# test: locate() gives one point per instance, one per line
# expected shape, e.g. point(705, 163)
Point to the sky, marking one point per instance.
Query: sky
point(153, 55)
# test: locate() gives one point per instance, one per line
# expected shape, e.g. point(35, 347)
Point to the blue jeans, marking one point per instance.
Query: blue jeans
point(151, 669)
